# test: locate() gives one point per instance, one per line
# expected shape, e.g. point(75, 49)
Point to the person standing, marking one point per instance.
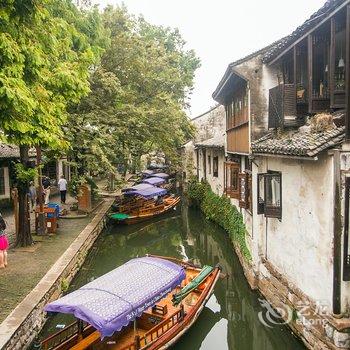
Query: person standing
point(47, 188)
point(32, 195)
point(62, 185)
point(4, 243)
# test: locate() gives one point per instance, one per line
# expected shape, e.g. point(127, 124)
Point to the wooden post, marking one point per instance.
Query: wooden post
point(331, 65)
point(137, 342)
point(80, 329)
point(14, 195)
point(310, 66)
point(41, 214)
point(347, 75)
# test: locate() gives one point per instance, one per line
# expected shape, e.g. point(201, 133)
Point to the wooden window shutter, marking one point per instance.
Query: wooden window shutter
point(261, 194)
point(273, 195)
point(243, 190)
point(231, 180)
point(346, 255)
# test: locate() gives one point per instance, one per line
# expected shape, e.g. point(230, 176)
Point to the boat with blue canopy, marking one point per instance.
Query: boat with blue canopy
point(155, 181)
point(147, 303)
point(161, 175)
point(156, 201)
point(141, 186)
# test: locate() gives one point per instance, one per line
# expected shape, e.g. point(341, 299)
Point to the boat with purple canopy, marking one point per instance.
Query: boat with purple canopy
point(156, 201)
point(147, 303)
point(162, 175)
point(141, 186)
point(155, 181)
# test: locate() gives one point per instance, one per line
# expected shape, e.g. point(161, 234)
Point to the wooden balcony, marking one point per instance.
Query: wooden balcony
point(238, 139)
point(283, 107)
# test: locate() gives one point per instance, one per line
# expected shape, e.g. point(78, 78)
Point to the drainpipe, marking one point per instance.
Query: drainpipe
point(337, 232)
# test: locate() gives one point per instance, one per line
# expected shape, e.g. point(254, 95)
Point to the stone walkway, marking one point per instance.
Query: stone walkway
point(10, 219)
point(26, 266)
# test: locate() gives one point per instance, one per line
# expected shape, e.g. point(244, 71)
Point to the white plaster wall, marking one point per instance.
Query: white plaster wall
point(300, 246)
point(216, 183)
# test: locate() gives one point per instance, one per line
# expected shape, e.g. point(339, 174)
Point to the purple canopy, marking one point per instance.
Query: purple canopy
point(141, 186)
point(154, 181)
point(148, 192)
point(162, 175)
point(147, 172)
point(117, 298)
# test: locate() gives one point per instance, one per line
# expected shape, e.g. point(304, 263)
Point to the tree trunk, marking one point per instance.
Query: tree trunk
point(24, 237)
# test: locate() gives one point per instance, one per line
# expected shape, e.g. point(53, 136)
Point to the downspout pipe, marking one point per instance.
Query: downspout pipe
point(337, 233)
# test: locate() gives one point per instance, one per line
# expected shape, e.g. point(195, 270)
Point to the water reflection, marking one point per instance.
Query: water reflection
point(230, 319)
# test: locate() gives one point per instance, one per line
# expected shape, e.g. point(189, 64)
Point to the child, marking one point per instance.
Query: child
point(4, 244)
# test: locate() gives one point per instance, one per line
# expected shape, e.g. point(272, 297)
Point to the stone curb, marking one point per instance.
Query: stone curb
point(24, 323)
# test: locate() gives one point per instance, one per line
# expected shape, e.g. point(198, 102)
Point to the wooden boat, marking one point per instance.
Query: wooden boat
point(147, 303)
point(149, 210)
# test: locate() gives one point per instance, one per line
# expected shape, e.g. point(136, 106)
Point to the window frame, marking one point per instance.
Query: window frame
point(269, 211)
point(216, 166)
point(230, 169)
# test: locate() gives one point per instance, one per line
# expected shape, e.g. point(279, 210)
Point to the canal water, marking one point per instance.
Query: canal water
point(233, 318)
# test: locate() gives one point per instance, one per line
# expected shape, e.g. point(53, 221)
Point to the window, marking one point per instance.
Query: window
point(270, 194)
point(231, 179)
point(2, 181)
point(209, 165)
point(245, 190)
point(215, 166)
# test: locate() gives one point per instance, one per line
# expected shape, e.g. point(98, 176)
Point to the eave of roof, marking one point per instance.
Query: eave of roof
point(297, 143)
point(301, 31)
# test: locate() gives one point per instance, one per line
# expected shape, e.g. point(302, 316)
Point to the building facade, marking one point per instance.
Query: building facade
point(287, 168)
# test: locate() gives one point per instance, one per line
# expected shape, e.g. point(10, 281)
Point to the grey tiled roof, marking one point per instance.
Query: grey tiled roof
point(12, 151)
point(216, 141)
point(297, 143)
point(317, 17)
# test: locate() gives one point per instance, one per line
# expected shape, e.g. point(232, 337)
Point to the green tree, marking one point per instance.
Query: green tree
point(151, 76)
point(45, 55)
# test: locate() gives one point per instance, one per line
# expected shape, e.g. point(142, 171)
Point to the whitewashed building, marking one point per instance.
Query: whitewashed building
point(288, 170)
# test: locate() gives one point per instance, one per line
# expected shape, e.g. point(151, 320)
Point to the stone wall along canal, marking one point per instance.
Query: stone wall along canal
point(231, 318)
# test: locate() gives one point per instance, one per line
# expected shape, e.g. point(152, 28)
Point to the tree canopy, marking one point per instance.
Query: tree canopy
point(138, 95)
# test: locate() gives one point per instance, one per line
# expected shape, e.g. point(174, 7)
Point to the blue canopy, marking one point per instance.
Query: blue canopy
point(162, 175)
point(154, 181)
point(141, 186)
point(148, 192)
point(115, 299)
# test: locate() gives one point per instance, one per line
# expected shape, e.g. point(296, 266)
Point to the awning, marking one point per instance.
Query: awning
point(148, 192)
point(162, 175)
point(154, 181)
point(141, 186)
point(117, 298)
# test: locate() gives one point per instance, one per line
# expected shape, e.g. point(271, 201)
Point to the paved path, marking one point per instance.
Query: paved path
point(10, 219)
point(28, 265)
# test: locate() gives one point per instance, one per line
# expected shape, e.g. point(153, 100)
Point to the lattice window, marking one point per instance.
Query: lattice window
point(270, 195)
point(231, 179)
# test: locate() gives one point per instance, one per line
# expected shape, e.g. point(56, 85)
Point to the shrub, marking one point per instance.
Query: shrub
point(220, 210)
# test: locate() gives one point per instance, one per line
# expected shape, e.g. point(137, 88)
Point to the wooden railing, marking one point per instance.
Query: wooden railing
point(62, 336)
point(156, 332)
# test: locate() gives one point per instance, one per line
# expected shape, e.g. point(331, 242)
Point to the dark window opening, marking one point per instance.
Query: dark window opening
point(215, 166)
point(2, 181)
point(209, 164)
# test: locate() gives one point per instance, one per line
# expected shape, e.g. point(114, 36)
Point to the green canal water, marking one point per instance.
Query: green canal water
point(230, 319)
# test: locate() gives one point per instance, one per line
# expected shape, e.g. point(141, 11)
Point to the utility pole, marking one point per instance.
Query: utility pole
point(41, 214)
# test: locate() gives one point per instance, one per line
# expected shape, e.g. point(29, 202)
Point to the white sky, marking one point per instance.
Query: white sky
point(222, 31)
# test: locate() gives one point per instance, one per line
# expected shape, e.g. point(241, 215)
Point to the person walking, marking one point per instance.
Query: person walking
point(47, 189)
point(32, 195)
point(4, 243)
point(62, 185)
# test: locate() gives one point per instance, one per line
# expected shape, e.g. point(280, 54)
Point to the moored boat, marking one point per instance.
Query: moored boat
point(156, 201)
point(147, 303)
